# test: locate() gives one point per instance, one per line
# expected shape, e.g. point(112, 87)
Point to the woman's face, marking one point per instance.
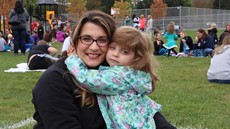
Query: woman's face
point(199, 35)
point(92, 55)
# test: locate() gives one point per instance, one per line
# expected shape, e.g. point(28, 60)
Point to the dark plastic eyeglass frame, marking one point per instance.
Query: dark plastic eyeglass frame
point(104, 44)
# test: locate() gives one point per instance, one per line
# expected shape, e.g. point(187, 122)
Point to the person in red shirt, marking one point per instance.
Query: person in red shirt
point(142, 23)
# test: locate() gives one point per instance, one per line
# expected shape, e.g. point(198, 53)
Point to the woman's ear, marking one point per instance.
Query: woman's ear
point(71, 50)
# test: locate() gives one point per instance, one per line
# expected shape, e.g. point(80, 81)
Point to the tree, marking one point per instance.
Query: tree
point(158, 9)
point(203, 3)
point(123, 8)
point(93, 4)
point(188, 3)
point(221, 4)
point(76, 7)
point(174, 3)
point(30, 5)
point(144, 4)
point(106, 5)
point(5, 7)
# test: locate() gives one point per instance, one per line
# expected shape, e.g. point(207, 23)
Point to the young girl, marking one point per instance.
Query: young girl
point(122, 88)
point(158, 45)
point(171, 36)
point(186, 44)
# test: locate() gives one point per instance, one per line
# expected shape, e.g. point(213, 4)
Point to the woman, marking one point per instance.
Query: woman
point(19, 31)
point(149, 26)
point(142, 23)
point(135, 21)
point(204, 44)
point(59, 101)
point(219, 70)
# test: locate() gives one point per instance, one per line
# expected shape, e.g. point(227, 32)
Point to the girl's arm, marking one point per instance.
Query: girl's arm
point(109, 80)
point(165, 35)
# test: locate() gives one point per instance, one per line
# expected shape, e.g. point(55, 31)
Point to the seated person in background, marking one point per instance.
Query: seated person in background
point(10, 41)
point(156, 30)
point(47, 36)
point(227, 28)
point(40, 30)
point(159, 49)
point(212, 31)
point(35, 36)
point(67, 40)
point(219, 70)
point(60, 35)
point(3, 44)
point(224, 34)
point(204, 44)
point(29, 42)
point(186, 44)
point(40, 56)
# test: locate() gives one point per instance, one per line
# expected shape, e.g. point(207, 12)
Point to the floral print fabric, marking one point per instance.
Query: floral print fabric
point(121, 94)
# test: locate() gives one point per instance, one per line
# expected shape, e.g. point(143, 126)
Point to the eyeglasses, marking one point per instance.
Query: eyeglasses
point(88, 40)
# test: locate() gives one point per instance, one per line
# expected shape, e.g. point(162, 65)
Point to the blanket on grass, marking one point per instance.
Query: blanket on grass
point(22, 67)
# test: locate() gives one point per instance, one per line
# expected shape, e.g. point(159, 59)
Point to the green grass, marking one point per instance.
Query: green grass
point(188, 99)
point(15, 95)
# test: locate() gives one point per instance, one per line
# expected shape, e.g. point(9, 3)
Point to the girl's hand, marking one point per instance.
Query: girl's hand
point(183, 40)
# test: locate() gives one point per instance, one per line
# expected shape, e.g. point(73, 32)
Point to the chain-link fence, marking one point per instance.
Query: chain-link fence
point(189, 17)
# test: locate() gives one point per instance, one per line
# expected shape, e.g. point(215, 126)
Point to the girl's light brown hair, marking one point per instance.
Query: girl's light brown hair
point(220, 49)
point(140, 43)
point(170, 28)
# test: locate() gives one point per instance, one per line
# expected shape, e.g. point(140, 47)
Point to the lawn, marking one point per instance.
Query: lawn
point(188, 99)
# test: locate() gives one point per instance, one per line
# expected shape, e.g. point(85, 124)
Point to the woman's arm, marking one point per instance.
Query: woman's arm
point(109, 80)
point(11, 14)
point(54, 103)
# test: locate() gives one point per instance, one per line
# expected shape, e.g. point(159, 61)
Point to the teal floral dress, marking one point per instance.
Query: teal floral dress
point(121, 94)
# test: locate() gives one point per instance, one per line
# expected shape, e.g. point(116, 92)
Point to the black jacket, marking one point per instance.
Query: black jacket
point(56, 107)
point(189, 42)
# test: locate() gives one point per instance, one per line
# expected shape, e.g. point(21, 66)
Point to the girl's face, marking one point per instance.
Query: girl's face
point(92, 55)
point(159, 37)
point(182, 35)
point(119, 55)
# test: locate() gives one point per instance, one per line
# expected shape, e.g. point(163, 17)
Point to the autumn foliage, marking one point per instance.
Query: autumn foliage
point(122, 8)
point(76, 7)
point(6, 6)
point(158, 9)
